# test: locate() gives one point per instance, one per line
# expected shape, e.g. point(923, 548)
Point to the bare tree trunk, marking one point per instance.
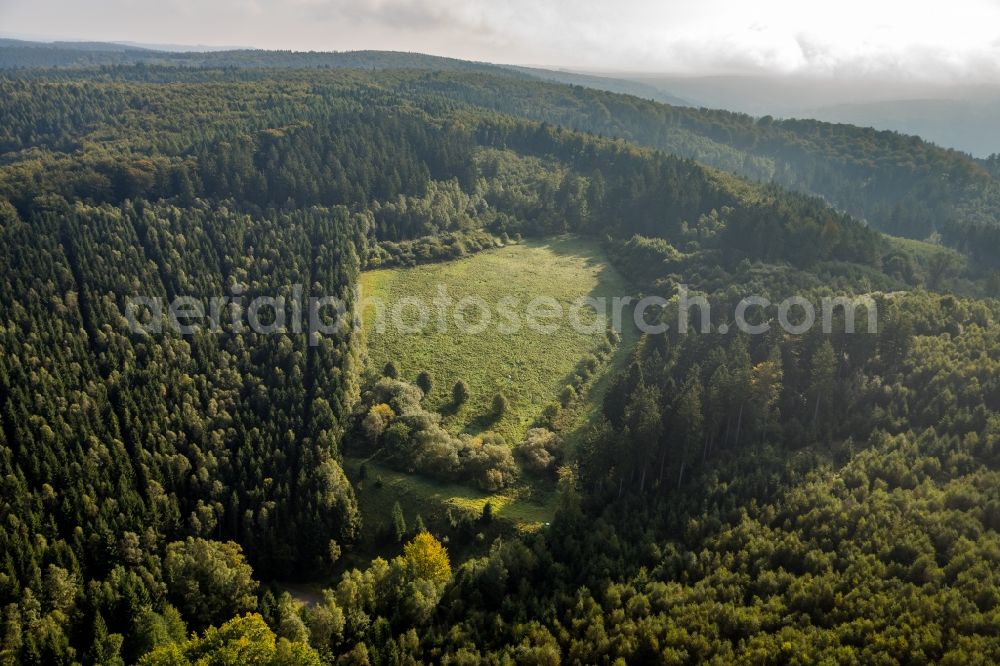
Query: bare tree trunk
point(680, 477)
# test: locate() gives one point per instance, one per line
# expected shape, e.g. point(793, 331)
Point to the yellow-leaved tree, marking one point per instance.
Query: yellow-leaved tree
point(242, 641)
point(427, 559)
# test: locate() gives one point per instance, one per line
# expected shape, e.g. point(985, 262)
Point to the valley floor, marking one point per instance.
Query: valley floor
point(530, 368)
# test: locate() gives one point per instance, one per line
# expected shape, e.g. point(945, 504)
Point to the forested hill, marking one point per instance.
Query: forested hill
point(114, 445)
point(830, 496)
point(623, 86)
point(900, 184)
point(17, 54)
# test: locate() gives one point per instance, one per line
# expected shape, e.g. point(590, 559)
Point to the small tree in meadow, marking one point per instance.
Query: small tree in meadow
point(398, 522)
point(425, 382)
point(500, 405)
point(460, 393)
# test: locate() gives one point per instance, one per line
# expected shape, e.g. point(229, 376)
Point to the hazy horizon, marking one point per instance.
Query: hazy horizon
point(853, 40)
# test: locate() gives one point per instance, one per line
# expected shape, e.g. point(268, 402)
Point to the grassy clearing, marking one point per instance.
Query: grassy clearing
point(924, 253)
point(518, 510)
point(521, 509)
point(525, 507)
point(529, 367)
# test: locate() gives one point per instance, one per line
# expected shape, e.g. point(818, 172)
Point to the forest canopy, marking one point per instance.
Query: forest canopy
point(736, 498)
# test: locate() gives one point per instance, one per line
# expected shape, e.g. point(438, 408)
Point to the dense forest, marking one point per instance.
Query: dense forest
point(900, 184)
point(760, 499)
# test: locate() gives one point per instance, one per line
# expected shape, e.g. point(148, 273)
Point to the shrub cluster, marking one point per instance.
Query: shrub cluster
point(413, 439)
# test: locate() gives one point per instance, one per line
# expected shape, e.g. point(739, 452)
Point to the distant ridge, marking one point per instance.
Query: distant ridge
point(23, 54)
point(624, 86)
point(113, 47)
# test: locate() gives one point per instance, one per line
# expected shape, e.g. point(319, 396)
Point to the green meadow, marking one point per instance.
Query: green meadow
point(523, 508)
point(529, 367)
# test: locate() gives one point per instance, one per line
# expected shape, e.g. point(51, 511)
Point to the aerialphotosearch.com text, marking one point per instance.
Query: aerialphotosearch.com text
point(445, 311)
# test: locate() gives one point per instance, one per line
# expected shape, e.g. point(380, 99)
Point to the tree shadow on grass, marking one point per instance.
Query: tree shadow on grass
point(482, 423)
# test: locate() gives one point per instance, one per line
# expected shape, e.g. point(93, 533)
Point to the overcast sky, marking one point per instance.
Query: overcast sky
point(955, 40)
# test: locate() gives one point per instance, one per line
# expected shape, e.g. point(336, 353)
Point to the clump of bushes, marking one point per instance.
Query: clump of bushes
point(541, 451)
point(549, 415)
point(414, 440)
point(430, 249)
point(377, 420)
